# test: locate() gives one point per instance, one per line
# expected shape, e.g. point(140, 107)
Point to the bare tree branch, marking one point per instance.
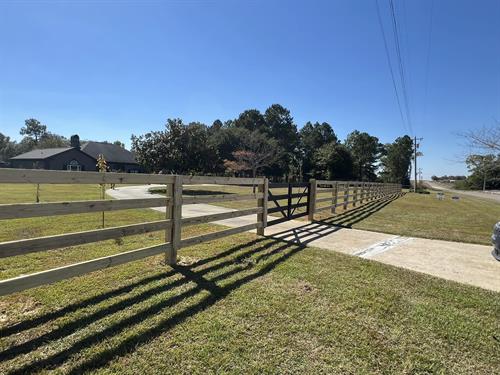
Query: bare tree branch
point(485, 138)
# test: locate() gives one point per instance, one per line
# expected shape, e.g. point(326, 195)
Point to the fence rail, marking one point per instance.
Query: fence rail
point(340, 194)
point(172, 223)
point(347, 193)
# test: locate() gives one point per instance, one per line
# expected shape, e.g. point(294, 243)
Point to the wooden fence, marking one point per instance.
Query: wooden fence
point(173, 202)
point(288, 203)
point(309, 194)
point(346, 193)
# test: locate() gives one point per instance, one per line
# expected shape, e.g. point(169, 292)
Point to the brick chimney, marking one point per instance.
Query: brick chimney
point(75, 141)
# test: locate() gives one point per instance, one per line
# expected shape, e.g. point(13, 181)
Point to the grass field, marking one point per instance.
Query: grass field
point(243, 304)
point(423, 215)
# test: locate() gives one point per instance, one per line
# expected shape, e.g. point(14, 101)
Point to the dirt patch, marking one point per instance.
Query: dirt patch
point(24, 306)
point(303, 288)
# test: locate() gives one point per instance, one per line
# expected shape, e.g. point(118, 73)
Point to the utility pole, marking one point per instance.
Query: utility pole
point(415, 147)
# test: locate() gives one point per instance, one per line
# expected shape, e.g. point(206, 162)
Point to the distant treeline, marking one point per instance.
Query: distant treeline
point(484, 173)
point(270, 144)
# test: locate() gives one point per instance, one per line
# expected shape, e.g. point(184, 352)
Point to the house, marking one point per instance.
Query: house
point(78, 158)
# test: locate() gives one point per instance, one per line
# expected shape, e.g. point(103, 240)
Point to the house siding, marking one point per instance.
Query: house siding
point(61, 161)
point(57, 162)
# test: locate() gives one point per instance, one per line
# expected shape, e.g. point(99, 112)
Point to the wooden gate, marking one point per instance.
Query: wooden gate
point(287, 202)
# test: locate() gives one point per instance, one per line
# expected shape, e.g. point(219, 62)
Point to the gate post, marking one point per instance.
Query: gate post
point(311, 199)
point(289, 202)
point(263, 190)
point(175, 221)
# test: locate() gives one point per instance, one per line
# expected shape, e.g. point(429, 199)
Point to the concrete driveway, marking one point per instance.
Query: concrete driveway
point(142, 191)
point(461, 262)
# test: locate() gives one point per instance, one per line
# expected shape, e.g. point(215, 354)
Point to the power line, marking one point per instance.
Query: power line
point(427, 64)
point(400, 62)
point(390, 67)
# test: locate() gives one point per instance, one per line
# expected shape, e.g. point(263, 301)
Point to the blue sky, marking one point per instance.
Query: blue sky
point(107, 69)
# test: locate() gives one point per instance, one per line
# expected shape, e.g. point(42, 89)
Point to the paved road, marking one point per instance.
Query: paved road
point(493, 195)
point(465, 263)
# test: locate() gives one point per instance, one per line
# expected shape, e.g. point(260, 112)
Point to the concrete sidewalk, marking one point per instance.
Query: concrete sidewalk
point(462, 262)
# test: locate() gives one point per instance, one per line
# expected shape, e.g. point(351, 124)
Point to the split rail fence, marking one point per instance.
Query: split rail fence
point(173, 202)
point(343, 193)
point(346, 193)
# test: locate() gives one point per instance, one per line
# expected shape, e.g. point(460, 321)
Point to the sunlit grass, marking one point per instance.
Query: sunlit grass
point(242, 304)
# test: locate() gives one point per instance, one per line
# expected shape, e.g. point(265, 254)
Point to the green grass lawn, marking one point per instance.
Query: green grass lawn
point(423, 215)
point(243, 304)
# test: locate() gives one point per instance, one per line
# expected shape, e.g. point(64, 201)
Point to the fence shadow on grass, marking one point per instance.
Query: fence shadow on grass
point(309, 232)
point(218, 275)
point(348, 218)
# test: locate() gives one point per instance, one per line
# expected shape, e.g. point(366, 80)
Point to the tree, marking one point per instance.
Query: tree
point(179, 149)
point(333, 161)
point(485, 167)
point(7, 148)
point(151, 150)
point(119, 143)
point(396, 160)
point(251, 119)
point(258, 151)
point(481, 167)
point(51, 140)
point(312, 138)
point(225, 141)
point(365, 150)
point(485, 138)
point(198, 155)
point(33, 129)
point(282, 128)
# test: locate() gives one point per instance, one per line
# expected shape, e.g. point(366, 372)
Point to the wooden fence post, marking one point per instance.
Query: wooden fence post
point(169, 193)
point(312, 199)
point(176, 210)
point(262, 202)
point(346, 195)
point(335, 191)
point(289, 201)
point(355, 194)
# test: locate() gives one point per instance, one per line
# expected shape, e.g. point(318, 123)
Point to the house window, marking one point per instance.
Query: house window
point(74, 166)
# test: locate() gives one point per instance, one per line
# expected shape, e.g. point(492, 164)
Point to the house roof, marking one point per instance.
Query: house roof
point(112, 153)
point(41, 153)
